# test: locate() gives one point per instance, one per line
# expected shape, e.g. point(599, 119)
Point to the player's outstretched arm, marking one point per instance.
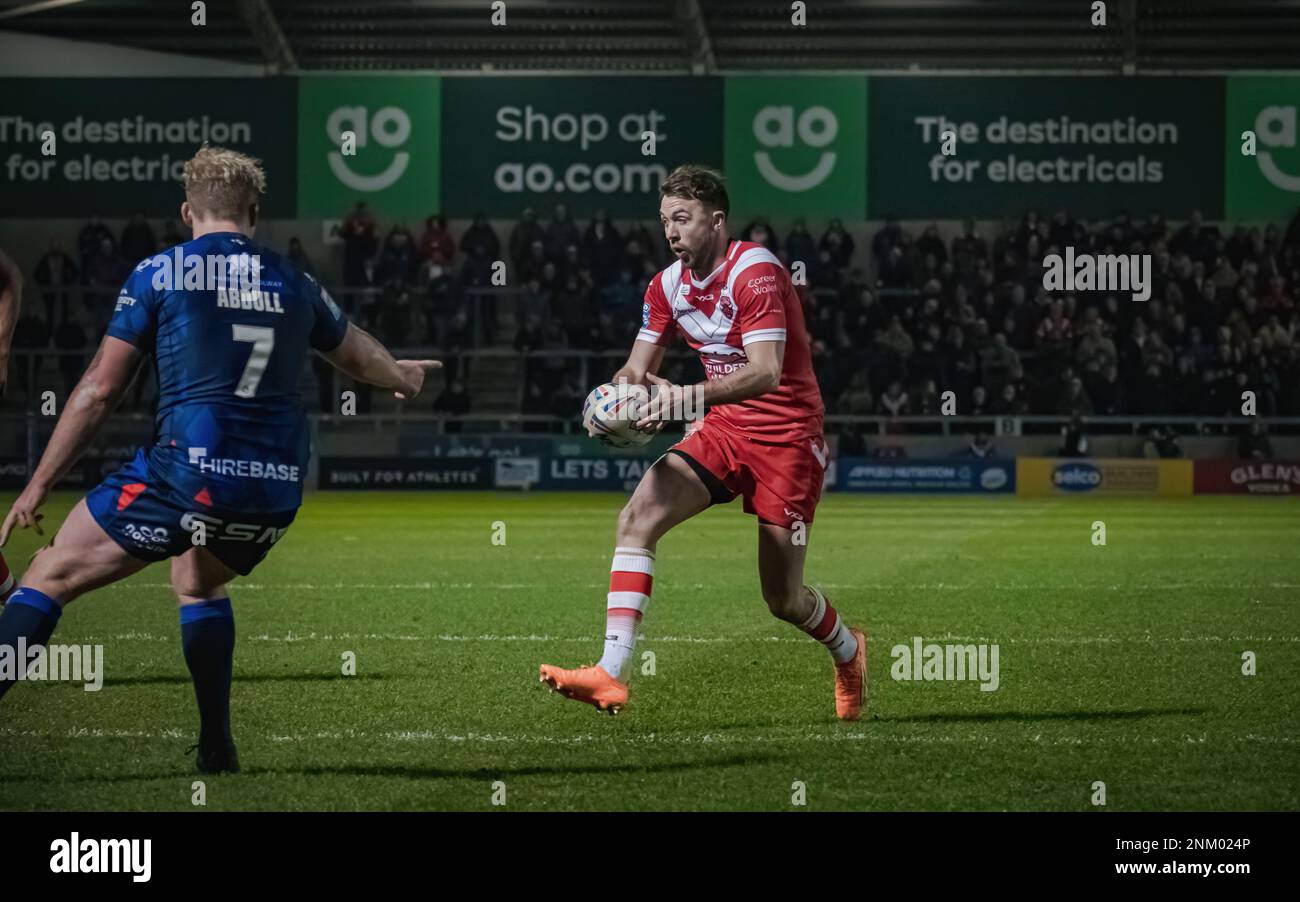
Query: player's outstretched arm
point(95, 397)
point(11, 296)
point(364, 358)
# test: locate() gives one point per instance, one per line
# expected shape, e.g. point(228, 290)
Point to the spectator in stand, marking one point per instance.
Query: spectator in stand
point(455, 339)
point(526, 236)
point(969, 251)
point(576, 311)
point(621, 299)
point(799, 244)
point(437, 240)
point(560, 233)
point(91, 238)
point(1074, 442)
point(138, 240)
point(980, 447)
point(1254, 443)
point(298, 257)
point(55, 274)
point(103, 276)
point(997, 361)
point(442, 296)
point(400, 321)
point(760, 231)
point(930, 245)
point(1009, 402)
point(1162, 442)
point(360, 243)
point(453, 402)
point(1074, 400)
point(399, 260)
point(894, 401)
point(838, 242)
point(603, 247)
point(481, 234)
point(1106, 392)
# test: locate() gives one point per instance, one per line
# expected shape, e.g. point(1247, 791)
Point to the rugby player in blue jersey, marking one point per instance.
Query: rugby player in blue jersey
point(229, 324)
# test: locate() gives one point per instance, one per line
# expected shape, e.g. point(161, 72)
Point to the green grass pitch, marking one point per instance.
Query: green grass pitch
point(1120, 664)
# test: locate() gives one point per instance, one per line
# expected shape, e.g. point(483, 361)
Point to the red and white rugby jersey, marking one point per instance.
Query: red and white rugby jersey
point(748, 299)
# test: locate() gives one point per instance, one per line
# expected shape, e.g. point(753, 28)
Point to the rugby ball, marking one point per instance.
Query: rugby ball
point(610, 410)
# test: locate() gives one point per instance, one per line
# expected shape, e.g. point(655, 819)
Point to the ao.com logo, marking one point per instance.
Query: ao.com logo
point(777, 127)
point(389, 127)
point(1275, 127)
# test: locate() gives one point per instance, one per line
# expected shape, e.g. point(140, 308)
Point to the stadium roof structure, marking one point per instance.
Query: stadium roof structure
point(689, 36)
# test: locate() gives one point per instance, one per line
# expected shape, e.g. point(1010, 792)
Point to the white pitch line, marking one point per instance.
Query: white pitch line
point(723, 737)
point(863, 587)
point(699, 640)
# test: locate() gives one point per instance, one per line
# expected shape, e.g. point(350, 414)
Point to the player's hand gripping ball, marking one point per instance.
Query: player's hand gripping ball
point(610, 412)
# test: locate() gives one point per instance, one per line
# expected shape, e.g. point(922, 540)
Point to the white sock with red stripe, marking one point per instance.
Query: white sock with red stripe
point(827, 628)
point(630, 579)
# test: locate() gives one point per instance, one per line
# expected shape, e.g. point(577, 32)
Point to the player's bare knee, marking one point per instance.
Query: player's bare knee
point(784, 602)
point(639, 519)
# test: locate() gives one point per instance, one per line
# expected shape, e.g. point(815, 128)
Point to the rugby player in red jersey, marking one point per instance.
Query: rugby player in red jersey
point(762, 439)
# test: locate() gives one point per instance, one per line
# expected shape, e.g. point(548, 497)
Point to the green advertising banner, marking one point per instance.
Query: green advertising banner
point(797, 146)
point(1089, 145)
point(590, 143)
point(119, 144)
point(372, 139)
point(1267, 183)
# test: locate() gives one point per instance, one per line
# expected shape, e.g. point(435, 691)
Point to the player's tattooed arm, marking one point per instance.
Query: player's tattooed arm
point(364, 358)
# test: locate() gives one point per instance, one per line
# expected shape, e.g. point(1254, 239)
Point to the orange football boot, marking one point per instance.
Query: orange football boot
point(851, 681)
point(586, 684)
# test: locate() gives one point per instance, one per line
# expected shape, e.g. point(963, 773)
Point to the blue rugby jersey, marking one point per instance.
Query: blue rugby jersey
point(229, 324)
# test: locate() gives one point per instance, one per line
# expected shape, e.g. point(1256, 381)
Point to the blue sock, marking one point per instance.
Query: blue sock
point(29, 615)
point(208, 638)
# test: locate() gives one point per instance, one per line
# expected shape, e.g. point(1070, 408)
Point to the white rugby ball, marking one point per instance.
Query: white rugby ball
point(610, 410)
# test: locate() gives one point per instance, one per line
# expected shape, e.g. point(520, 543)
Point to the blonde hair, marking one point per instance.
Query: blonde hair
point(223, 183)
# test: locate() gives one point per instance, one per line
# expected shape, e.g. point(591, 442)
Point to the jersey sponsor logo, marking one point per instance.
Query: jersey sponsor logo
point(233, 532)
point(154, 538)
point(645, 315)
point(716, 368)
point(247, 469)
point(123, 301)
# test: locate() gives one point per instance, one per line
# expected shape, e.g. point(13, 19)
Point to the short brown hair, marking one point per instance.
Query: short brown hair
point(223, 183)
point(696, 182)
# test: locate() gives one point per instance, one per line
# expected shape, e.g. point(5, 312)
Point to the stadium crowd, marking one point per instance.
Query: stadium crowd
point(921, 316)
